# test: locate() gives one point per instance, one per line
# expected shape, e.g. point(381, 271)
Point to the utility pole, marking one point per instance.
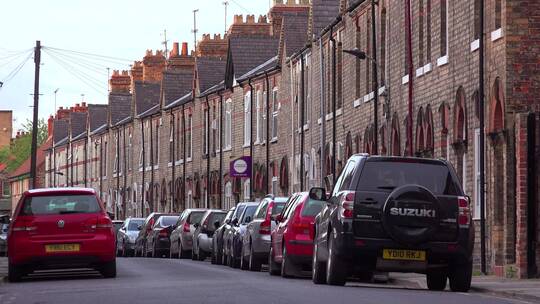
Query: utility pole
point(195, 30)
point(164, 42)
point(37, 62)
point(482, 143)
point(225, 4)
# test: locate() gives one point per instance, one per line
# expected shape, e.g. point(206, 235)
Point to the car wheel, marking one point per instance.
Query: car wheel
point(436, 280)
point(273, 267)
point(124, 252)
point(287, 266)
point(202, 255)
point(182, 254)
point(318, 271)
point(108, 269)
point(193, 255)
point(171, 252)
point(15, 273)
point(460, 277)
point(254, 263)
point(336, 270)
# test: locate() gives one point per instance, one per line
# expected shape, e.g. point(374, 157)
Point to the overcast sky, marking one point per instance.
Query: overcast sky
point(123, 29)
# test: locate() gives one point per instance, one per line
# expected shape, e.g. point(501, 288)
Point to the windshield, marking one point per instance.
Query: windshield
point(312, 207)
point(386, 176)
point(195, 217)
point(250, 211)
point(168, 220)
point(60, 204)
point(134, 224)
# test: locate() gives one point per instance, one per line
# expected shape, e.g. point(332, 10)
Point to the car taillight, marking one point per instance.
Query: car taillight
point(20, 226)
point(301, 228)
point(464, 217)
point(346, 206)
point(265, 227)
point(104, 223)
point(186, 227)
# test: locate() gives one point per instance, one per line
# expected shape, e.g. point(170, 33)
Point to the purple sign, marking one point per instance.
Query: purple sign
point(241, 167)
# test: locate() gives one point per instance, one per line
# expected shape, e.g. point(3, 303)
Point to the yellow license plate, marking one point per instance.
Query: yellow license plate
point(62, 248)
point(407, 255)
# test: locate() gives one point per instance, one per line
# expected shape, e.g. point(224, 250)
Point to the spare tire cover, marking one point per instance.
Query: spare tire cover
point(411, 214)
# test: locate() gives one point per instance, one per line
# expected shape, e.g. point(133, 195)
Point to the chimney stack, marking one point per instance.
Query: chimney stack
point(153, 66)
point(249, 27)
point(212, 47)
point(119, 83)
point(182, 60)
point(50, 124)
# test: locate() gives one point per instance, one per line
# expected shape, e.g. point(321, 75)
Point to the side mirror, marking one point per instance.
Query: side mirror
point(317, 193)
point(235, 222)
point(216, 224)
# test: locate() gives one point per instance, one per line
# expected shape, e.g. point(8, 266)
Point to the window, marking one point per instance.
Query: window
point(228, 124)
point(189, 200)
point(205, 131)
point(498, 14)
point(358, 65)
point(171, 144)
point(444, 29)
point(247, 188)
point(141, 155)
point(247, 118)
point(215, 129)
point(263, 136)
point(428, 31)
point(339, 70)
point(179, 131)
point(421, 20)
point(189, 137)
point(382, 60)
point(259, 118)
point(275, 112)
point(274, 189)
point(5, 188)
point(367, 62)
point(228, 196)
point(476, 211)
point(116, 156)
point(129, 151)
point(156, 143)
point(105, 165)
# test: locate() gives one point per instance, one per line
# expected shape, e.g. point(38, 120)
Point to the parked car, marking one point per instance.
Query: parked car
point(228, 231)
point(256, 241)
point(60, 228)
point(395, 214)
point(204, 231)
point(144, 230)
point(237, 232)
point(117, 224)
point(292, 238)
point(216, 256)
point(158, 241)
point(3, 239)
point(126, 236)
point(182, 235)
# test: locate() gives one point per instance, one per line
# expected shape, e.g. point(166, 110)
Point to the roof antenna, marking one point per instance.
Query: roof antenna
point(225, 4)
point(164, 42)
point(195, 30)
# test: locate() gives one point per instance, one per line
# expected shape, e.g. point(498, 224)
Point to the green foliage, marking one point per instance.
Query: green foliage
point(19, 150)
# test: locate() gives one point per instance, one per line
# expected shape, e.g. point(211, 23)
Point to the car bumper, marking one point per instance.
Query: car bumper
point(261, 245)
point(162, 244)
point(187, 242)
point(205, 242)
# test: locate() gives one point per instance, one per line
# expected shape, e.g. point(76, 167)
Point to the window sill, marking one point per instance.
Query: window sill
point(442, 61)
point(419, 72)
point(227, 149)
point(178, 162)
point(496, 34)
point(356, 104)
point(273, 140)
point(169, 164)
point(329, 115)
point(188, 160)
point(405, 79)
point(475, 45)
point(246, 145)
point(427, 68)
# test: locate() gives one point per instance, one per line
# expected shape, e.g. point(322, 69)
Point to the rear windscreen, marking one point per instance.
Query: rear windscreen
point(386, 176)
point(215, 217)
point(60, 204)
point(195, 217)
point(168, 220)
point(133, 225)
point(277, 208)
point(250, 211)
point(312, 207)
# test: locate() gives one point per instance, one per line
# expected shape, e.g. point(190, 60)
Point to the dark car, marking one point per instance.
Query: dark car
point(395, 214)
point(204, 231)
point(217, 239)
point(158, 240)
point(222, 238)
point(144, 229)
point(237, 231)
point(126, 236)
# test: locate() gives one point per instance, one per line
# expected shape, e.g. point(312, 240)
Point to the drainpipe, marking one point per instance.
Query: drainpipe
point(71, 163)
point(143, 186)
point(220, 93)
point(333, 106)
point(293, 137)
point(267, 133)
point(375, 78)
point(173, 182)
point(302, 119)
point(85, 159)
point(117, 171)
point(482, 144)
point(323, 114)
point(54, 163)
point(101, 168)
point(251, 138)
point(124, 170)
point(184, 160)
point(152, 164)
point(411, 77)
point(208, 153)
point(67, 164)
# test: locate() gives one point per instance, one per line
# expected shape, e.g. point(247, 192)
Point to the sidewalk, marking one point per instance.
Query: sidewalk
point(528, 290)
point(3, 268)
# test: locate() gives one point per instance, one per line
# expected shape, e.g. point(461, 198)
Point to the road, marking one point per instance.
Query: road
point(145, 280)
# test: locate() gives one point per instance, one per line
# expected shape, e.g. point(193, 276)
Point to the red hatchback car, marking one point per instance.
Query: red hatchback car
point(292, 239)
point(60, 228)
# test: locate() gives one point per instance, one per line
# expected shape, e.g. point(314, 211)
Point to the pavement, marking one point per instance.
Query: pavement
point(147, 280)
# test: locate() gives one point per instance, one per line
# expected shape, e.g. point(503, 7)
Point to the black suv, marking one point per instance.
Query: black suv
point(394, 214)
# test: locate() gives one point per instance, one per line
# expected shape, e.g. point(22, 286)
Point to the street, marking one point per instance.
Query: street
point(144, 280)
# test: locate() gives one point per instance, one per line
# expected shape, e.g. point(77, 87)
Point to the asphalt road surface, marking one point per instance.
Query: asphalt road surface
point(145, 280)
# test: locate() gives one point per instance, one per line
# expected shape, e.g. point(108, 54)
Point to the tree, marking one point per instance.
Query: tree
point(19, 150)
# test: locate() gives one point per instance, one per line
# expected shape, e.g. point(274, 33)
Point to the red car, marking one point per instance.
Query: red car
point(292, 239)
point(60, 228)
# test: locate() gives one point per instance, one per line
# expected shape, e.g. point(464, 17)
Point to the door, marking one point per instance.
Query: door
point(532, 192)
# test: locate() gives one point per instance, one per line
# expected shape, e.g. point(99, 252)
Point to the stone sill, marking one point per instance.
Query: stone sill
point(475, 45)
point(496, 34)
point(442, 61)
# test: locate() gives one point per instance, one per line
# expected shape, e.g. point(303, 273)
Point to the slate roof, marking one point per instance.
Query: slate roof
point(270, 64)
point(147, 98)
point(323, 13)
point(295, 27)
point(119, 107)
point(210, 72)
point(60, 130)
point(77, 124)
point(176, 83)
point(97, 116)
point(180, 101)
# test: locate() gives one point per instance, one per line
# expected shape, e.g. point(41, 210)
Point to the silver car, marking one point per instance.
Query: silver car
point(256, 240)
point(126, 236)
point(182, 235)
point(204, 232)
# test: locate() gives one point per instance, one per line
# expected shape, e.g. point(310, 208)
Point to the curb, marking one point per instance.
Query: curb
point(506, 294)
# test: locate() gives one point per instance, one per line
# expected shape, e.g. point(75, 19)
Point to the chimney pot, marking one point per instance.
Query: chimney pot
point(184, 48)
point(77, 105)
point(174, 51)
point(238, 19)
point(83, 104)
point(250, 19)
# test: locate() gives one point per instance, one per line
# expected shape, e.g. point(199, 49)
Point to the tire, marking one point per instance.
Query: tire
point(108, 269)
point(460, 277)
point(15, 273)
point(213, 257)
point(287, 266)
point(318, 270)
point(254, 264)
point(182, 254)
point(336, 269)
point(235, 259)
point(201, 256)
point(172, 255)
point(273, 267)
point(436, 280)
point(194, 256)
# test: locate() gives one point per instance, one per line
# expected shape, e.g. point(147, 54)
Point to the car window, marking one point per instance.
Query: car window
point(238, 211)
point(312, 207)
point(229, 214)
point(213, 217)
point(5, 228)
point(133, 224)
point(289, 206)
point(277, 208)
point(60, 204)
point(344, 179)
point(260, 213)
point(386, 176)
point(165, 221)
point(195, 217)
point(249, 212)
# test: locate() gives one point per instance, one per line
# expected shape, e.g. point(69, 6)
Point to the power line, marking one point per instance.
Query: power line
point(97, 68)
point(15, 71)
point(93, 55)
point(240, 6)
point(63, 60)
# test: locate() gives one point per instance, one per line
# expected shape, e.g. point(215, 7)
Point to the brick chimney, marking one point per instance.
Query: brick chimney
point(249, 27)
point(120, 82)
point(279, 8)
point(153, 66)
point(62, 113)
point(50, 124)
point(180, 60)
point(136, 73)
point(212, 47)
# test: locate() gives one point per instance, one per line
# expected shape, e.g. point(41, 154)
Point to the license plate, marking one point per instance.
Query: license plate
point(407, 255)
point(62, 248)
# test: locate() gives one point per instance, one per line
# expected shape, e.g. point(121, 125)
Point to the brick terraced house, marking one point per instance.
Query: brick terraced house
point(281, 89)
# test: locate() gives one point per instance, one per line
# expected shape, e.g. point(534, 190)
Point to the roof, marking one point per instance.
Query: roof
point(210, 71)
point(97, 116)
point(24, 168)
point(119, 107)
point(77, 121)
point(245, 53)
point(180, 101)
point(176, 83)
point(60, 130)
point(147, 98)
point(269, 65)
point(323, 13)
point(295, 28)
point(62, 189)
point(214, 89)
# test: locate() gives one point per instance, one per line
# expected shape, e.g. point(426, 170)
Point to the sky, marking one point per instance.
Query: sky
point(73, 32)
